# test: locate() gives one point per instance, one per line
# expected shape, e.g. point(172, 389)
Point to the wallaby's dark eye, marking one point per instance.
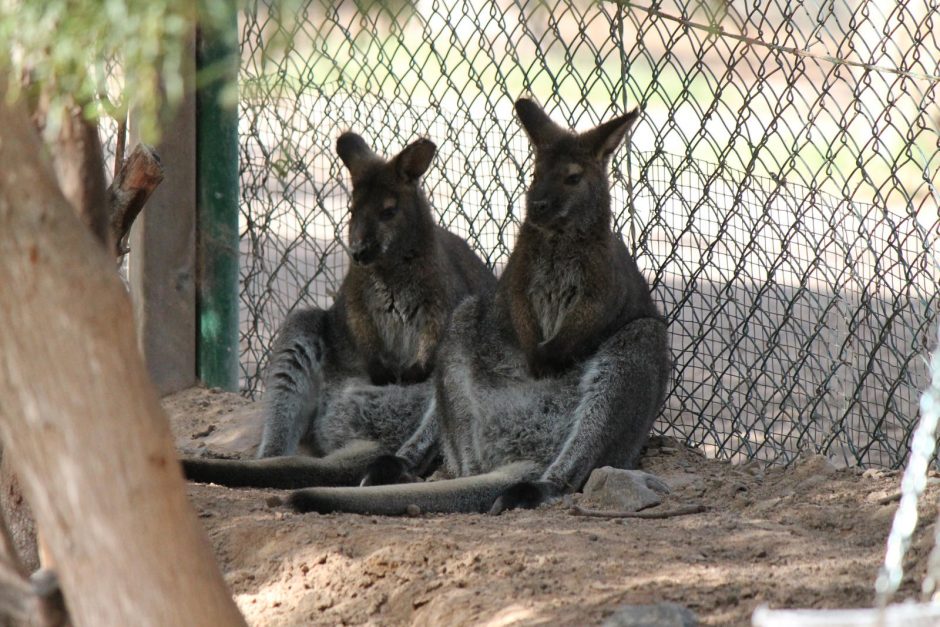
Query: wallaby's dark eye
point(572, 179)
point(388, 213)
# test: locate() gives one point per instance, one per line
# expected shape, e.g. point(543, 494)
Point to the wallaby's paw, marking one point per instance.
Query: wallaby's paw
point(546, 362)
point(190, 468)
point(388, 469)
point(416, 373)
point(526, 495)
point(307, 501)
point(201, 469)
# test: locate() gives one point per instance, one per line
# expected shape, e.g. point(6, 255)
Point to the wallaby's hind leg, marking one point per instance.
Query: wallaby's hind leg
point(621, 392)
point(293, 382)
point(356, 409)
point(361, 422)
point(342, 467)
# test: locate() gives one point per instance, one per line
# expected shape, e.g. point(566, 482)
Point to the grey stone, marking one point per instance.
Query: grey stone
point(239, 431)
point(626, 490)
point(659, 615)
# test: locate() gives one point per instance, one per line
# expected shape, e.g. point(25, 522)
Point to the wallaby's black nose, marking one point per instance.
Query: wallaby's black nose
point(363, 252)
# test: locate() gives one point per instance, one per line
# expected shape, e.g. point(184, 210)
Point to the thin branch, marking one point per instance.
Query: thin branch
point(891, 498)
point(577, 510)
point(719, 31)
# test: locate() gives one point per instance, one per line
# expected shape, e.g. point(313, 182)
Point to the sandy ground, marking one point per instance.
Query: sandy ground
point(807, 536)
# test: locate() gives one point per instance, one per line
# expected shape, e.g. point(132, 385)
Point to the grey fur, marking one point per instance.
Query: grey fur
point(359, 371)
point(563, 369)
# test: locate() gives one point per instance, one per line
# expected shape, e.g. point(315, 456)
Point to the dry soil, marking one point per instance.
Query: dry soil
point(806, 536)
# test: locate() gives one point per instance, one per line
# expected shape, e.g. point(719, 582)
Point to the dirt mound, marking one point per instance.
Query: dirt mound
point(808, 536)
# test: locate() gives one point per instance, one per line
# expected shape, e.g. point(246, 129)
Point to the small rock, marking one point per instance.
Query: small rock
point(766, 505)
point(683, 480)
point(201, 434)
point(274, 501)
point(812, 482)
point(754, 468)
point(814, 465)
point(659, 615)
point(413, 510)
point(627, 490)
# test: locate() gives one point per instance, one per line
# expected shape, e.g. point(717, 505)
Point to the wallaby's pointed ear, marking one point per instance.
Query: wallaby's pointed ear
point(538, 126)
point(354, 152)
point(412, 162)
point(603, 140)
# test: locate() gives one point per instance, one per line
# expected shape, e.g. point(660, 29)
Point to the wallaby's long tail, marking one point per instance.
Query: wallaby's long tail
point(344, 467)
point(467, 494)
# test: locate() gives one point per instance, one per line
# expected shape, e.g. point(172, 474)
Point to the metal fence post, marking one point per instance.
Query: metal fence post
point(217, 203)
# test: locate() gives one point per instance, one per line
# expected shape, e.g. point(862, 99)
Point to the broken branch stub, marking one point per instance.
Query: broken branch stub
point(140, 174)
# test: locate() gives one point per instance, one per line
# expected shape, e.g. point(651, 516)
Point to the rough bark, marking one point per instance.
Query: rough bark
point(80, 421)
point(30, 600)
point(15, 510)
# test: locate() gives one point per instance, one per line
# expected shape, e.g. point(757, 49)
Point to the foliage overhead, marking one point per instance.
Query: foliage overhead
point(94, 52)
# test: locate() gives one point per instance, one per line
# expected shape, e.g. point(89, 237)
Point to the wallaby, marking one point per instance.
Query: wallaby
point(561, 370)
point(351, 382)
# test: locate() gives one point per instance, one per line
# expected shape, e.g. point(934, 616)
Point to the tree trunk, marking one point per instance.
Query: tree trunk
point(78, 161)
point(79, 419)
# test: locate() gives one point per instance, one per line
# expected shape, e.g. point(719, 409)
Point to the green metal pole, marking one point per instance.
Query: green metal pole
point(217, 200)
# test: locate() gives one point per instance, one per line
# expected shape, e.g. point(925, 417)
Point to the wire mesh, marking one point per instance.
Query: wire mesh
point(779, 190)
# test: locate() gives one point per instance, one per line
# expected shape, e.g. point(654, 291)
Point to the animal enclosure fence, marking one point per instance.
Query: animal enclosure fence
point(779, 190)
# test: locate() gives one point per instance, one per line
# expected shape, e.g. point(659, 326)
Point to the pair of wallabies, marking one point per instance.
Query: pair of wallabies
point(517, 388)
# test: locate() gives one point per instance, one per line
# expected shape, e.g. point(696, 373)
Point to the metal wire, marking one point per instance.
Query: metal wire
point(782, 191)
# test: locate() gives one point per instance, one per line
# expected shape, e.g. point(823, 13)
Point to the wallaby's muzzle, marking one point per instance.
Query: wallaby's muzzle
point(364, 252)
point(544, 212)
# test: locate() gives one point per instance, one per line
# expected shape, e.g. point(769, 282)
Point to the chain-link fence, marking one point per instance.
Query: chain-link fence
point(779, 190)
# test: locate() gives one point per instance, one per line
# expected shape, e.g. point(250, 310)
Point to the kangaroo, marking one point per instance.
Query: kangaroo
point(351, 382)
point(561, 370)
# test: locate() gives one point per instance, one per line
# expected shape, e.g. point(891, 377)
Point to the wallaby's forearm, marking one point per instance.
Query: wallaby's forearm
point(422, 447)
